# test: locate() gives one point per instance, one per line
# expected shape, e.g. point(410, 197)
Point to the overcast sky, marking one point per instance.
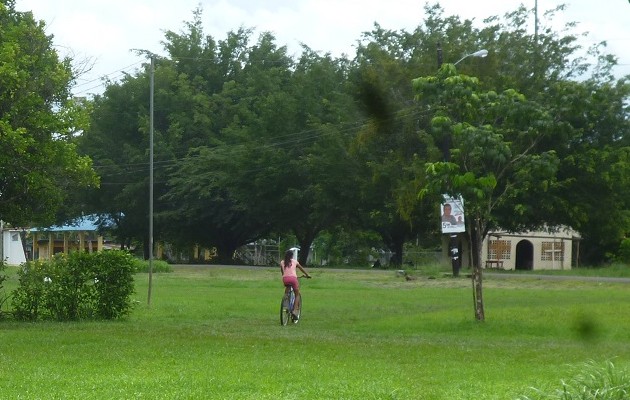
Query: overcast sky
point(105, 30)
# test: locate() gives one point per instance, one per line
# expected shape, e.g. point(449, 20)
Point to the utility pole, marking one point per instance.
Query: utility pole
point(536, 22)
point(151, 91)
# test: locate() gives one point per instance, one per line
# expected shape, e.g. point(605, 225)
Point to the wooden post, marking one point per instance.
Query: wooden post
point(81, 242)
point(51, 245)
point(35, 247)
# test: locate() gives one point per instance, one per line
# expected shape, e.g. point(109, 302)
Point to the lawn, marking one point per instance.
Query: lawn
point(214, 333)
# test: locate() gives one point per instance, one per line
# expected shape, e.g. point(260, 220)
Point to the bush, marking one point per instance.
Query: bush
point(75, 286)
point(592, 382)
point(158, 266)
point(623, 255)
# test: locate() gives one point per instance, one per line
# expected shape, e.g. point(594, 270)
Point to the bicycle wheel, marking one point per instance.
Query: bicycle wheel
point(285, 313)
point(297, 310)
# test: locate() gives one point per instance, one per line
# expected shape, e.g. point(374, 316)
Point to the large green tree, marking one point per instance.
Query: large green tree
point(204, 201)
point(592, 142)
point(266, 151)
point(251, 141)
point(550, 158)
point(39, 164)
point(494, 154)
point(590, 112)
point(118, 142)
point(388, 140)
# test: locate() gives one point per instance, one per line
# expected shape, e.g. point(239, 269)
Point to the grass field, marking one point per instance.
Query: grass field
point(214, 333)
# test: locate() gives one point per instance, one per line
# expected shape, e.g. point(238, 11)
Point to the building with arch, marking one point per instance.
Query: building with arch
point(554, 249)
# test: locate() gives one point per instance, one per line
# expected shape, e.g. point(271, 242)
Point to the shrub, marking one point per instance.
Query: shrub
point(158, 266)
point(593, 382)
point(75, 286)
point(623, 255)
point(27, 299)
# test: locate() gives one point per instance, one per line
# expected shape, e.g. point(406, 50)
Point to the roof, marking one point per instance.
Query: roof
point(85, 223)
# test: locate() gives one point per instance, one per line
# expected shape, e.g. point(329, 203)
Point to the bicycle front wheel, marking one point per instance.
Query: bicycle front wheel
point(285, 312)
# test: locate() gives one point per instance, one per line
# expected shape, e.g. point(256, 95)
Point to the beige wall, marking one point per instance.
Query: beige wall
point(531, 250)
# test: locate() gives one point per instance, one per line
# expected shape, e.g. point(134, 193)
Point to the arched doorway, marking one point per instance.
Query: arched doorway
point(524, 255)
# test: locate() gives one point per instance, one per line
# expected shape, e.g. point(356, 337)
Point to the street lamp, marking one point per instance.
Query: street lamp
point(480, 53)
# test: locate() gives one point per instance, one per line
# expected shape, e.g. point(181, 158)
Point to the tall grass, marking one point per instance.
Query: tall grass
point(214, 333)
point(602, 381)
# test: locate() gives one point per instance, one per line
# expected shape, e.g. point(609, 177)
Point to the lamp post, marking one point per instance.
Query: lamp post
point(453, 242)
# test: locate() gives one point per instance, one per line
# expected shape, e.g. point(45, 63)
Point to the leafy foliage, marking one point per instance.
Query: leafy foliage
point(75, 287)
point(158, 266)
point(39, 161)
point(251, 142)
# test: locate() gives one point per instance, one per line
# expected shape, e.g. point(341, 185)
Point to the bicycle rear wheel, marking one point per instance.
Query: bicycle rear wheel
point(297, 309)
point(285, 312)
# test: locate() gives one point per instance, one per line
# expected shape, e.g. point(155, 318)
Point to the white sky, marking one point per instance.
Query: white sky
point(106, 30)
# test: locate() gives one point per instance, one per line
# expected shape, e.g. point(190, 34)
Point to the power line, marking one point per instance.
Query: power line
point(296, 138)
point(112, 76)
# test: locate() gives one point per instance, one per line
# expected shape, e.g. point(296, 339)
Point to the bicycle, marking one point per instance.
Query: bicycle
point(287, 305)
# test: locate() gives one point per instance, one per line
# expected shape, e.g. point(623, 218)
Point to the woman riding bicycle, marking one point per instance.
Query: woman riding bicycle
point(289, 267)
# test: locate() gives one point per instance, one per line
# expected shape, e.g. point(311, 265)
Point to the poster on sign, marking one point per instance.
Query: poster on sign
point(452, 212)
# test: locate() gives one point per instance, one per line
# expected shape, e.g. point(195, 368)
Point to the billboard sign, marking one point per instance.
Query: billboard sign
point(452, 212)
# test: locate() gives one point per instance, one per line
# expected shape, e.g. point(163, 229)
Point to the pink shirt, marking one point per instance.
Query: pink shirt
point(290, 270)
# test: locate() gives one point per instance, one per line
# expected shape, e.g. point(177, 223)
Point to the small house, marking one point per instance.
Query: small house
point(13, 249)
point(554, 249)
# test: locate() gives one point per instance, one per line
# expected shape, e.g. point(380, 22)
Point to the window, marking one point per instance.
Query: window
point(15, 237)
point(499, 249)
point(552, 251)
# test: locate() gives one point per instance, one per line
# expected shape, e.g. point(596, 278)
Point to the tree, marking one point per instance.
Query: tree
point(592, 144)
point(319, 189)
point(118, 142)
point(188, 114)
point(288, 168)
point(590, 118)
point(207, 199)
point(39, 164)
point(389, 140)
point(495, 156)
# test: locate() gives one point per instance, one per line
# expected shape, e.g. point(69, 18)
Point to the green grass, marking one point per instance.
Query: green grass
point(214, 333)
point(614, 271)
point(591, 381)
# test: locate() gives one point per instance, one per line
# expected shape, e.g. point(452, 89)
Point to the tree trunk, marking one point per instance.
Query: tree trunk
point(477, 276)
point(397, 249)
point(478, 293)
point(225, 253)
point(305, 248)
